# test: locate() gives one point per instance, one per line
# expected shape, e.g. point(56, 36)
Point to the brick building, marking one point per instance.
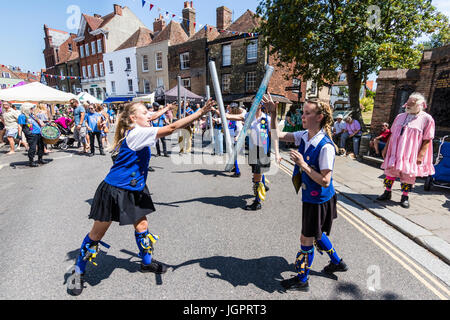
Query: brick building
point(432, 79)
point(61, 60)
point(98, 35)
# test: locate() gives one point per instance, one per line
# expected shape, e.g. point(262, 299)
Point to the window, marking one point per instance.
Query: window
point(84, 72)
point(87, 49)
point(250, 81)
point(113, 86)
point(145, 63)
point(95, 71)
point(93, 47)
point(102, 69)
point(130, 85)
point(61, 72)
point(184, 61)
point(342, 77)
point(111, 67)
point(70, 47)
point(159, 62)
point(226, 83)
point(313, 89)
point(128, 62)
point(146, 86)
point(92, 92)
point(160, 82)
point(89, 72)
point(252, 51)
point(99, 46)
point(186, 83)
point(6, 75)
point(82, 51)
point(226, 55)
point(71, 71)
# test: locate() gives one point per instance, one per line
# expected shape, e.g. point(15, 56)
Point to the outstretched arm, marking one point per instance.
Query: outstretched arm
point(170, 129)
point(272, 109)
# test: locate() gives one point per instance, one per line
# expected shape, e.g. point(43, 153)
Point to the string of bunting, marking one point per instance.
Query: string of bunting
point(172, 15)
point(61, 77)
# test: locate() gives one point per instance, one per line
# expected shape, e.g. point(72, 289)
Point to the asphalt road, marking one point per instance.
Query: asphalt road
point(214, 248)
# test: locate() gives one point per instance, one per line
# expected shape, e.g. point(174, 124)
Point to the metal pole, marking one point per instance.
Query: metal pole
point(219, 100)
point(179, 97)
point(211, 127)
point(251, 116)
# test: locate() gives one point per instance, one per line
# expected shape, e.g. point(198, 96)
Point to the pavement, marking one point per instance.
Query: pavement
point(427, 221)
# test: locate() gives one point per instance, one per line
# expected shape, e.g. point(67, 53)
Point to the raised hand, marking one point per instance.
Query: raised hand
point(269, 103)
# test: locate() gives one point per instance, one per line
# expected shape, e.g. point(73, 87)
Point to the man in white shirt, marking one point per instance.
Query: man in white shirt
point(338, 128)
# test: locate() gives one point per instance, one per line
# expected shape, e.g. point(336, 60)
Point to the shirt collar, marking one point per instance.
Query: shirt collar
point(314, 140)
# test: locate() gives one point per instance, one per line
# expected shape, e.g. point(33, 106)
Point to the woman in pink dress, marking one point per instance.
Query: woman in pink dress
point(409, 150)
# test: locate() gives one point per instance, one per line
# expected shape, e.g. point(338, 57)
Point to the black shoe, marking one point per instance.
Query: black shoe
point(102, 153)
point(154, 267)
point(33, 164)
point(42, 161)
point(405, 202)
point(267, 188)
point(91, 155)
point(295, 284)
point(75, 284)
point(236, 175)
point(387, 195)
point(151, 169)
point(166, 155)
point(234, 169)
point(255, 206)
point(331, 267)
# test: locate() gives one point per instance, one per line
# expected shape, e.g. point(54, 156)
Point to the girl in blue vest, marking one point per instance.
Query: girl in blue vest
point(123, 196)
point(313, 174)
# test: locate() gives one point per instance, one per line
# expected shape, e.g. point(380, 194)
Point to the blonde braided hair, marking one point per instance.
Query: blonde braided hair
point(327, 122)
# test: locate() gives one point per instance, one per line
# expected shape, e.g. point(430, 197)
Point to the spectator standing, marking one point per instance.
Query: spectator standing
point(10, 119)
point(80, 131)
point(94, 121)
point(160, 123)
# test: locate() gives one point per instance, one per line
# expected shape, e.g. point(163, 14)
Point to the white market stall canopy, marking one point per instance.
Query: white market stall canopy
point(148, 99)
point(36, 92)
point(86, 97)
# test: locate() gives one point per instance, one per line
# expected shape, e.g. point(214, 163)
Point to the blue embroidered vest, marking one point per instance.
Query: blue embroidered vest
point(312, 192)
point(130, 169)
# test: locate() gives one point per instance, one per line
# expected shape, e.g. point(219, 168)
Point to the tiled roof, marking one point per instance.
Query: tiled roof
point(246, 23)
point(173, 32)
point(141, 38)
point(207, 31)
point(92, 22)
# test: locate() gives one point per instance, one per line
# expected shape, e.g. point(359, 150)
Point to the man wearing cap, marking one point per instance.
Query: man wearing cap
point(338, 128)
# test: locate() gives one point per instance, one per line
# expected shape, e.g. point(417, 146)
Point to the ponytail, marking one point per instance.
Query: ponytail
point(124, 124)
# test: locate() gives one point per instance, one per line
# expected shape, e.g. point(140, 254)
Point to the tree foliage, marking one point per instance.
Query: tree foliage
point(324, 36)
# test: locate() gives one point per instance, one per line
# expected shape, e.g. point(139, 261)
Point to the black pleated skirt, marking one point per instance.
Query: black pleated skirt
point(318, 218)
point(119, 205)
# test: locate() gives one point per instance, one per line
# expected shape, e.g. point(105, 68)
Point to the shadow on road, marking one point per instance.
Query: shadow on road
point(229, 202)
point(205, 172)
point(264, 273)
point(353, 291)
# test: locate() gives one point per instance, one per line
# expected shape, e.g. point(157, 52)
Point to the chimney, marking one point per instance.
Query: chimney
point(189, 18)
point(224, 18)
point(117, 9)
point(159, 24)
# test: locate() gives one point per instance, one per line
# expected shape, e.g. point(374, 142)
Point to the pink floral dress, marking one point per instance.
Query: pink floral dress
point(408, 134)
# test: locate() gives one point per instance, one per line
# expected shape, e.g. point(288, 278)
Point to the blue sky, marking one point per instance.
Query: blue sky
point(21, 22)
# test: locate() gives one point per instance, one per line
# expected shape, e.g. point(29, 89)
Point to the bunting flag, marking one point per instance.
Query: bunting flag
point(151, 7)
point(143, 3)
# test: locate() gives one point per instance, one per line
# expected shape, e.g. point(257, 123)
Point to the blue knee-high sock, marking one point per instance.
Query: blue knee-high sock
point(143, 241)
point(80, 266)
point(237, 167)
point(325, 244)
point(304, 261)
point(264, 180)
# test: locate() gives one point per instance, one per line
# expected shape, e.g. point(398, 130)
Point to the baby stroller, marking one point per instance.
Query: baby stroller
point(66, 139)
point(442, 168)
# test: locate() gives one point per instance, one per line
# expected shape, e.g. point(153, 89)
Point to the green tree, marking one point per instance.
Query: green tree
point(354, 36)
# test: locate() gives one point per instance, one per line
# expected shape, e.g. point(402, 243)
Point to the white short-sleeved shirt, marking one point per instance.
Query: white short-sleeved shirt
point(339, 127)
point(255, 133)
point(327, 154)
point(141, 137)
